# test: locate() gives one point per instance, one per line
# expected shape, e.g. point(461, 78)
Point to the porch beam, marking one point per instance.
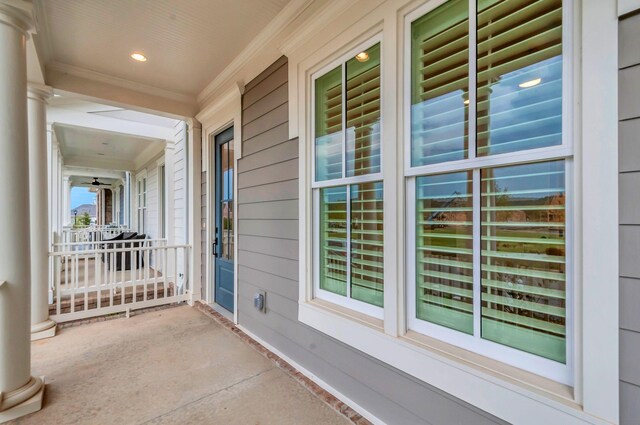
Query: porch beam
point(41, 325)
point(21, 393)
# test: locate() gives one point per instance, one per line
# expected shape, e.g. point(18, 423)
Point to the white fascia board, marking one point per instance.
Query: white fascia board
point(98, 122)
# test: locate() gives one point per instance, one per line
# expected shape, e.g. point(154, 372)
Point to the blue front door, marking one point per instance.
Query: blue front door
point(223, 238)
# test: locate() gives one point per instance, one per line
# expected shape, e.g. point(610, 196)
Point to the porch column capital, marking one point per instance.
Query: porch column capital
point(40, 93)
point(17, 14)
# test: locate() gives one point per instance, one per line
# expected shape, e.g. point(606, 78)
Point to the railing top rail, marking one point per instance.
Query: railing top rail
point(107, 242)
point(116, 250)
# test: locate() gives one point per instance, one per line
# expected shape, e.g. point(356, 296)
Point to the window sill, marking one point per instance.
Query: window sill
point(504, 391)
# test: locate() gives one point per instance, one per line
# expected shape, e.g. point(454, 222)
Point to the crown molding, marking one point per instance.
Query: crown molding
point(287, 16)
point(42, 39)
point(311, 28)
point(88, 74)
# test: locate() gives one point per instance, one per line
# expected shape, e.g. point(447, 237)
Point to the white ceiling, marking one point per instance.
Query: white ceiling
point(187, 42)
point(88, 147)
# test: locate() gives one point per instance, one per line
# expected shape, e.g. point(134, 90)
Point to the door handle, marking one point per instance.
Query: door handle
point(215, 247)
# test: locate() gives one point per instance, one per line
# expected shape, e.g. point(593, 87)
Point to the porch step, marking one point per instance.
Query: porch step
point(105, 298)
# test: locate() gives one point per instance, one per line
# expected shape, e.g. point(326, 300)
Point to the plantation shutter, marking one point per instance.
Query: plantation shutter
point(444, 245)
point(367, 243)
point(519, 75)
point(333, 240)
point(523, 258)
point(440, 84)
point(328, 125)
point(363, 113)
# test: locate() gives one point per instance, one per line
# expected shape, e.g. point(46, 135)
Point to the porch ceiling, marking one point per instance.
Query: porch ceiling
point(187, 43)
point(91, 148)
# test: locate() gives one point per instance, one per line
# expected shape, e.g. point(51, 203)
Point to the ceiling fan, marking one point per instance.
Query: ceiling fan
point(95, 182)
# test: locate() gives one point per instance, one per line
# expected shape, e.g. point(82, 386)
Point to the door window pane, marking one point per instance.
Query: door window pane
point(333, 240)
point(440, 84)
point(328, 125)
point(363, 113)
point(519, 75)
point(523, 258)
point(367, 243)
point(444, 236)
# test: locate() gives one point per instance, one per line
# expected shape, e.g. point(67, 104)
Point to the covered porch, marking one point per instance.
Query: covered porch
point(168, 366)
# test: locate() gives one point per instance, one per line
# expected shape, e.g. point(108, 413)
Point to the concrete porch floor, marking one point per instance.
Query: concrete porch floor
point(171, 366)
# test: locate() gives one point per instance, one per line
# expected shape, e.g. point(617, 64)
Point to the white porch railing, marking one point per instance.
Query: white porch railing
point(90, 279)
point(90, 233)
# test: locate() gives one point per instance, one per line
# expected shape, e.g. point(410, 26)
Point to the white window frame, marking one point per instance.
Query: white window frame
point(496, 388)
point(344, 181)
point(163, 230)
point(530, 362)
point(141, 206)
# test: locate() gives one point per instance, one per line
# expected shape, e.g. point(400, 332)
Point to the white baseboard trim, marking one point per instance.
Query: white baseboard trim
point(346, 400)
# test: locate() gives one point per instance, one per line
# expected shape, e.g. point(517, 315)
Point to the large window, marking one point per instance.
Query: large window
point(348, 200)
point(499, 245)
point(487, 173)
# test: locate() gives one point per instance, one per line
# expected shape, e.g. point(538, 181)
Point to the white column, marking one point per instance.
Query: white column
point(41, 325)
point(21, 393)
point(66, 213)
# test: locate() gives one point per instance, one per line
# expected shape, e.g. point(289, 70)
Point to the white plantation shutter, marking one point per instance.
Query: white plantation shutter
point(440, 84)
point(519, 96)
point(519, 42)
point(444, 249)
point(523, 257)
point(347, 144)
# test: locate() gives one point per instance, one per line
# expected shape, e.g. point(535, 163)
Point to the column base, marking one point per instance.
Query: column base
point(46, 329)
point(30, 405)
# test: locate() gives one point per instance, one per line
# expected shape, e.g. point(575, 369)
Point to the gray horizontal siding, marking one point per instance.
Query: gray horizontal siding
point(629, 167)
point(268, 260)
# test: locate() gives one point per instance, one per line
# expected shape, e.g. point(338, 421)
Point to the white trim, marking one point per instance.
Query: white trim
point(598, 187)
point(498, 395)
point(322, 384)
point(91, 75)
point(627, 6)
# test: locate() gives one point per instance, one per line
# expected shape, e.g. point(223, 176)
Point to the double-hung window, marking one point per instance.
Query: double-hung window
point(347, 182)
point(488, 166)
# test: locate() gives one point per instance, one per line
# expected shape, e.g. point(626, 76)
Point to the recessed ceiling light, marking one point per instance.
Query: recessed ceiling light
point(362, 57)
point(466, 102)
point(530, 83)
point(100, 154)
point(57, 95)
point(137, 56)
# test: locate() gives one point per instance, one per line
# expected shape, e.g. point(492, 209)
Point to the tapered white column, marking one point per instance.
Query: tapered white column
point(21, 393)
point(41, 325)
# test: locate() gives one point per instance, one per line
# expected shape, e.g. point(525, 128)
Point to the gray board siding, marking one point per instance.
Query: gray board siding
point(629, 186)
point(268, 260)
